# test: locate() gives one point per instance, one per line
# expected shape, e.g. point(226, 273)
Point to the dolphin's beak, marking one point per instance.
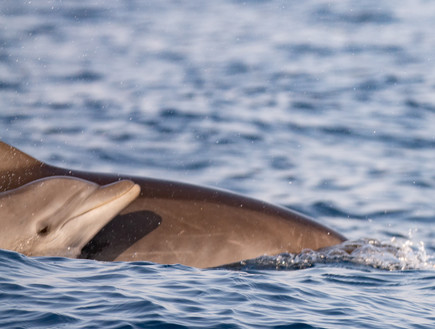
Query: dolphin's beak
point(112, 196)
point(98, 209)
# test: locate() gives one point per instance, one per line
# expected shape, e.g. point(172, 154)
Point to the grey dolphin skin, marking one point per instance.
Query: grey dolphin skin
point(58, 216)
point(172, 222)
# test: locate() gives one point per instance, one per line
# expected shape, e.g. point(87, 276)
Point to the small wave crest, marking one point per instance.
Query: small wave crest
point(391, 256)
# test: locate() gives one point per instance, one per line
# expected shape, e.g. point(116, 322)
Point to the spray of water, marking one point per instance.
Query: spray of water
point(393, 255)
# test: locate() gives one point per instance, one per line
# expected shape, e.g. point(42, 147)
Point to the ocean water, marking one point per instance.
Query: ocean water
point(326, 107)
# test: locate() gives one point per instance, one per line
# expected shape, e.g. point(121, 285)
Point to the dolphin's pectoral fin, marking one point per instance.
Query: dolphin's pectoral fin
point(119, 234)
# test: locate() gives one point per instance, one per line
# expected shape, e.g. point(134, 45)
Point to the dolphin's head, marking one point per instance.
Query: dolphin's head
point(57, 216)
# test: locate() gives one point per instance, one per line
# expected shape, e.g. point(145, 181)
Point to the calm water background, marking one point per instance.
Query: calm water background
point(324, 107)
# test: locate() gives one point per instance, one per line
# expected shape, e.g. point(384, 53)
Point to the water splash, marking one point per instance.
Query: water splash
point(391, 256)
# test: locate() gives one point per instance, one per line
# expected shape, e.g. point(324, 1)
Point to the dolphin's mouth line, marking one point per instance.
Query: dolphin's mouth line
point(98, 206)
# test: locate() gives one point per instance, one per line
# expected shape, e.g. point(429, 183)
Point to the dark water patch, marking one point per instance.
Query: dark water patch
point(11, 258)
point(337, 131)
point(63, 131)
point(100, 109)
point(417, 183)
point(298, 128)
point(369, 86)
point(14, 119)
point(171, 56)
point(193, 76)
point(355, 16)
point(269, 288)
point(319, 131)
point(251, 138)
point(159, 324)
point(56, 158)
point(304, 105)
point(83, 14)
point(331, 185)
point(417, 105)
point(387, 213)
point(391, 79)
point(355, 280)
point(139, 306)
point(54, 319)
point(296, 325)
point(392, 140)
point(335, 311)
point(11, 287)
point(299, 83)
point(43, 29)
point(253, 91)
point(36, 319)
point(428, 219)
point(296, 76)
point(281, 163)
point(10, 86)
point(4, 56)
point(204, 135)
point(243, 3)
point(305, 49)
point(292, 179)
point(328, 209)
point(218, 118)
point(236, 68)
point(225, 140)
point(172, 113)
point(392, 49)
point(120, 136)
point(120, 156)
point(60, 105)
point(376, 173)
point(219, 102)
point(140, 118)
point(104, 277)
point(283, 297)
point(366, 89)
point(371, 17)
point(117, 134)
point(83, 77)
point(406, 142)
point(262, 125)
point(394, 234)
point(169, 130)
point(196, 165)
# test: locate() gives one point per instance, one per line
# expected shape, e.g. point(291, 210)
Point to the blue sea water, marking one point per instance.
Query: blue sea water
point(326, 107)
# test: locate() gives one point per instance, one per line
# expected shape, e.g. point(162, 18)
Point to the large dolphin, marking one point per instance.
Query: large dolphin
point(57, 216)
point(172, 222)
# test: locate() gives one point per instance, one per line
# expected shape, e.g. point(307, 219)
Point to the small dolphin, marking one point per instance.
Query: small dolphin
point(57, 216)
point(173, 222)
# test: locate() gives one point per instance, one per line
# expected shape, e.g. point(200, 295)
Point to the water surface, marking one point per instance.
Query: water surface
point(323, 107)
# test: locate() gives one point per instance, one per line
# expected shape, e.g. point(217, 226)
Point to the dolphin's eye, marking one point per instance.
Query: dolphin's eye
point(44, 230)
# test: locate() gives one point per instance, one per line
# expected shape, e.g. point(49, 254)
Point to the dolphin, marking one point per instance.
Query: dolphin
point(58, 216)
point(173, 222)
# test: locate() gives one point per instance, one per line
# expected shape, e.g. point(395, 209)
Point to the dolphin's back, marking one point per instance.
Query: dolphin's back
point(17, 168)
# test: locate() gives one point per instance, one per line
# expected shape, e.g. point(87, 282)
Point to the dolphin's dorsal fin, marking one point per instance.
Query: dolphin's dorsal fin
point(17, 168)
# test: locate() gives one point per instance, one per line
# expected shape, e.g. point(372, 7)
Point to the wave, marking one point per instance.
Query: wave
point(391, 256)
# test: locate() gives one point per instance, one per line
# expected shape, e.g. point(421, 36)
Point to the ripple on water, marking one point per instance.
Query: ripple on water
point(297, 104)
